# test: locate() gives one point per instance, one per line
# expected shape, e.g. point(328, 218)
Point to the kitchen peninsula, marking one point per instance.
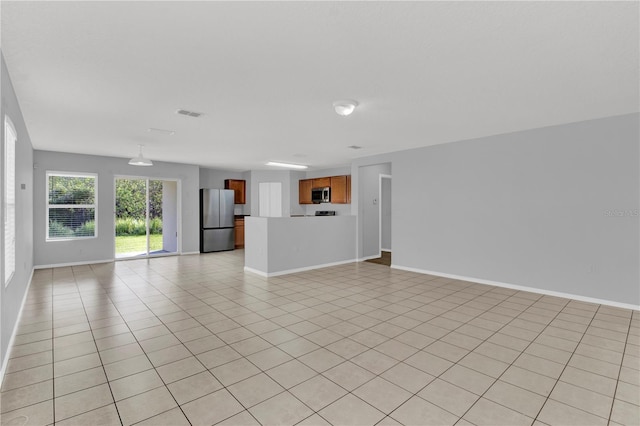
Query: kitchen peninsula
point(283, 245)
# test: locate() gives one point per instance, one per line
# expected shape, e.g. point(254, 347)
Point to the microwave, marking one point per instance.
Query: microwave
point(321, 195)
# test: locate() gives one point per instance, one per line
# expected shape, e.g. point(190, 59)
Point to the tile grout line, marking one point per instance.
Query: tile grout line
point(615, 391)
point(181, 343)
point(564, 367)
point(97, 352)
point(309, 291)
point(513, 362)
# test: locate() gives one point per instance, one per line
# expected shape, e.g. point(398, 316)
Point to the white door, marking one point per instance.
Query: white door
point(270, 199)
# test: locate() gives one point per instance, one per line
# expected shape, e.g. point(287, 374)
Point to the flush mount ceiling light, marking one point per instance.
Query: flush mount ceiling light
point(287, 165)
point(161, 131)
point(345, 107)
point(140, 160)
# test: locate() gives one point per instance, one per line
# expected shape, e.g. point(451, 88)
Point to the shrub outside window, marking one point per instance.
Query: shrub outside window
point(71, 206)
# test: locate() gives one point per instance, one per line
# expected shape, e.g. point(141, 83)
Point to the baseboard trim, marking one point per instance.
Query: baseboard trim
point(375, 256)
point(186, 253)
point(293, 271)
point(5, 361)
point(387, 250)
point(522, 288)
point(84, 262)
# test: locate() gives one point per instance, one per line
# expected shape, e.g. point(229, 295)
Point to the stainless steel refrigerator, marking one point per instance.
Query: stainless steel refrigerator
point(216, 220)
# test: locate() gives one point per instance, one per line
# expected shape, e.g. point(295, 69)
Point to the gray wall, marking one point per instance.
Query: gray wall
point(274, 245)
point(214, 178)
point(11, 296)
point(170, 216)
point(296, 207)
point(102, 247)
point(535, 208)
point(385, 214)
point(368, 208)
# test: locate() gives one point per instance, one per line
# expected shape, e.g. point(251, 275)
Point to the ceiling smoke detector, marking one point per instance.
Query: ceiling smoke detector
point(189, 113)
point(345, 107)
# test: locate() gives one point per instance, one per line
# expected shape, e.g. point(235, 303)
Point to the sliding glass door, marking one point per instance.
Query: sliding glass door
point(145, 217)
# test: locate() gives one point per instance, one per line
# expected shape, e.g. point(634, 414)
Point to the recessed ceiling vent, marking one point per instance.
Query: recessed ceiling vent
point(189, 113)
point(354, 147)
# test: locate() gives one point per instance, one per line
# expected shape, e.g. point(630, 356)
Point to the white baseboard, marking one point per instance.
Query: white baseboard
point(522, 288)
point(5, 360)
point(186, 253)
point(362, 259)
point(387, 250)
point(293, 271)
point(62, 265)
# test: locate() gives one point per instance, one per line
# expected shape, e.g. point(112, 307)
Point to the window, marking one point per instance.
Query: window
point(9, 200)
point(71, 206)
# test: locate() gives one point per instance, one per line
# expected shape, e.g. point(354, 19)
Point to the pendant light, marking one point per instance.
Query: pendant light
point(140, 160)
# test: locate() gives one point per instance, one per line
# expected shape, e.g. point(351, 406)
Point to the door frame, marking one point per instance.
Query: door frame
point(178, 215)
point(380, 177)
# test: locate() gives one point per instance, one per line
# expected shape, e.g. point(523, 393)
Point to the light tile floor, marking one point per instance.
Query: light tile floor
point(195, 340)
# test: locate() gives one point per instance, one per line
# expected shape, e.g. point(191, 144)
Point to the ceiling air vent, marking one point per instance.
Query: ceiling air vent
point(189, 113)
point(354, 147)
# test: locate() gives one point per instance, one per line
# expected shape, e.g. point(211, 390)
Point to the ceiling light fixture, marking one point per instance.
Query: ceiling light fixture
point(287, 165)
point(345, 107)
point(140, 160)
point(161, 131)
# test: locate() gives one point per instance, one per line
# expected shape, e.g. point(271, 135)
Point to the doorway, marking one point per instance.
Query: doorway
point(146, 217)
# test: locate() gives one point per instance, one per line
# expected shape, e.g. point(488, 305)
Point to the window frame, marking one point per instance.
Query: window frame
point(94, 206)
point(8, 126)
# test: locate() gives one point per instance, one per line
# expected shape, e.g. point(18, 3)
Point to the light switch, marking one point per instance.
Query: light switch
point(23, 186)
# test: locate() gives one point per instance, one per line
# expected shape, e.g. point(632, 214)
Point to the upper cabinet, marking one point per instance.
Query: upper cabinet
point(321, 182)
point(304, 191)
point(240, 189)
point(340, 189)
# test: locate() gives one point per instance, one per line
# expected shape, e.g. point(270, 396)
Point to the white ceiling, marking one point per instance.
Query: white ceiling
point(92, 77)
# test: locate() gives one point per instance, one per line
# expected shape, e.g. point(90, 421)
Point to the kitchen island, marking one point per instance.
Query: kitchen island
point(283, 245)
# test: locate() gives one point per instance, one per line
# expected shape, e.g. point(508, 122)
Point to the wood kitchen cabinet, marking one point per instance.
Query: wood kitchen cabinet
point(304, 191)
point(338, 189)
point(240, 189)
point(321, 182)
point(239, 228)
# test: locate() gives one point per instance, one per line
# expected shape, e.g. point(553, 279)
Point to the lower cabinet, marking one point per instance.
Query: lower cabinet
point(239, 228)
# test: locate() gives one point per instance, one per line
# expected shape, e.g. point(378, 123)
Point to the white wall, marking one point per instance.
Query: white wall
point(102, 247)
point(530, 208)
point(11, 296)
